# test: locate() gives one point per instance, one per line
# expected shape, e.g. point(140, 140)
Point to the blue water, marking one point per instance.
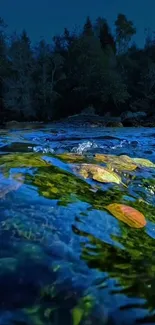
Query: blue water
point(59, 247)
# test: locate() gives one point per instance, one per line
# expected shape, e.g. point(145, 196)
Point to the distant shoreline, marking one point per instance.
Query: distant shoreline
point(79, 120)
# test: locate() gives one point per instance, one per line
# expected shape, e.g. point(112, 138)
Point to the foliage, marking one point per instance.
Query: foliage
point(103, 32)
point(89, 68)
point(124, 32)
point(143, 162)
point(121, 163)
point(18, 85)
point(127, 214)
point(88, 28)
point(98, 173)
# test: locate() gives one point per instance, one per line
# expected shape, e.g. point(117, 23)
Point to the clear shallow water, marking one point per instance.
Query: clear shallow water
point(63, 257)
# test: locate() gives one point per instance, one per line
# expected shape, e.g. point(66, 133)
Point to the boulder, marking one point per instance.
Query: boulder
point(133, 115)
point(131, 122)
point(115, 124)
point(90, 110)
point(135, 122)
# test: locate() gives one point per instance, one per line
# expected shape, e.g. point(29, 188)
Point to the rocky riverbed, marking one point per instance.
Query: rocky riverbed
point(77, 224)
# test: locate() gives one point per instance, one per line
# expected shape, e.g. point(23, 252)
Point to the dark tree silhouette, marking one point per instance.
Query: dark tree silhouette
point(79, 69)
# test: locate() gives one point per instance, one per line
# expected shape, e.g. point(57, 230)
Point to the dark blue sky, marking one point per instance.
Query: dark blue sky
point(45, 18)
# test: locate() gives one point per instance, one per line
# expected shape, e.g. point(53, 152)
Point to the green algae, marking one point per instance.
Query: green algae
point(128, 257)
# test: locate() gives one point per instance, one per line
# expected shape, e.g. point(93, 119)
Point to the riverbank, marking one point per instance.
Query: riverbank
point(81, 120)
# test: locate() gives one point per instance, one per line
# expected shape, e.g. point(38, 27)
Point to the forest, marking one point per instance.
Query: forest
point(88, 70)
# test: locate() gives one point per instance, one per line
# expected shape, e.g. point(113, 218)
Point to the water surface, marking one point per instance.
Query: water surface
point(64, 259)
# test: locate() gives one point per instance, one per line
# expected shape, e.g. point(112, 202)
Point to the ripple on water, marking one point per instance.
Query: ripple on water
point(60, 249)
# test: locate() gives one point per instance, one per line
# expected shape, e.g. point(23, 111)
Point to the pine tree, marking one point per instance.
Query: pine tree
point(88, 28)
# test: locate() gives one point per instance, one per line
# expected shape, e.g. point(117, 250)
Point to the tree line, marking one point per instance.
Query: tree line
point(90, 68)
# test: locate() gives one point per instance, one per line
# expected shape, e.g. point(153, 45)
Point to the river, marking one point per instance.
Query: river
point(64, 258)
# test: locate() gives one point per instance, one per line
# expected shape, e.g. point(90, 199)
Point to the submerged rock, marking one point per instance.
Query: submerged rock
point(10, 184)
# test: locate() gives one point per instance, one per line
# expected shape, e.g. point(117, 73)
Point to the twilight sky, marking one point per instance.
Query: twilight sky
point(45, 18)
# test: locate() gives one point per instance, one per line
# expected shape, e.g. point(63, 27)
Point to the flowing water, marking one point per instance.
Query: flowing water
point(64, 259)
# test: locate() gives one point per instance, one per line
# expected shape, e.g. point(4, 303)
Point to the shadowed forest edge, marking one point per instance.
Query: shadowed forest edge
point(87, 71)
